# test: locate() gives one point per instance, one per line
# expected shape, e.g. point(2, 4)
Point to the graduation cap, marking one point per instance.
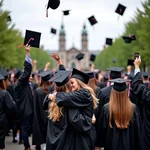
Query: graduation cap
point(115, 72)
point(8, 18)
point(46, 75)
point(92, 57)
point(1, 77)
point(4, 72)
point(92, 20)
point(119, 84)
point(17, 73)
point(109, 41)
point(32, 38)
point(114, 60)
point(80, 56)
point(91, 74)
point(130, 62)
point(80, 76)
point(145, 74)
point(133, 37)
point(127, 39)
point(61, 77)
point(53, 31)
point(120, 9)
point(66, 12)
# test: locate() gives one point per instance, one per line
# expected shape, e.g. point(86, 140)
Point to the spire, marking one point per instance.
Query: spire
point(84, 30)
point(62, 30)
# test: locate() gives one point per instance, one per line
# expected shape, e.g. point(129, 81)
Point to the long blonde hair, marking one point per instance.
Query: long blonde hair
point(55, 112)
point(83, 85)
point(120, 109)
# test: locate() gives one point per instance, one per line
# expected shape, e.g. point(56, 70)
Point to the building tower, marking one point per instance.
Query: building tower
point(84, 39)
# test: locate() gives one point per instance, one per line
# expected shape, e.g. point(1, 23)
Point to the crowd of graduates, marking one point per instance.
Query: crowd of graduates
point(74, 109)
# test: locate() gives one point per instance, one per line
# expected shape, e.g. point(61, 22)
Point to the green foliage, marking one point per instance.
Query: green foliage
point(139, 26)
point(10, 38)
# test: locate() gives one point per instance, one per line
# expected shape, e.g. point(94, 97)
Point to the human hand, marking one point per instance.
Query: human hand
point(137, 62)
point(55, 56)
point(52, 97)
point(34, 61)
point(27, 49)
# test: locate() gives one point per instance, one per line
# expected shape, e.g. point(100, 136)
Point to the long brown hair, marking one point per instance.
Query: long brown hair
point(83, 85)
point(55, 112)
point(93, 84)
point(120, 109)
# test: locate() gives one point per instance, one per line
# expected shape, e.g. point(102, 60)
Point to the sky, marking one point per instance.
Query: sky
point(31, 15)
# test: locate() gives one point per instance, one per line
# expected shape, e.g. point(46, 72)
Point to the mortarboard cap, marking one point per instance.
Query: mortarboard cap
point(109, 41)
point(119, 84)
point(133, 37)
point(1, 77)
point(53, 31)
point(32, 38)
point(92, 20)
point(127, 39)
point(8, 18)
point(145, 74)
point(61, 77)
point(114, 60)
point(17, 73)
point(80, 56)
point(120, 9)
point(46, 75)
point(115, 72)
point(53, 4)
point(66, 12)
point(91, 74)
point(130, 62)
point(80, 76)
point(4, 72)
point(92, 57)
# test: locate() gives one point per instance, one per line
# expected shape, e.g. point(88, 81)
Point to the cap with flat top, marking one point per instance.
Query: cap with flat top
point(66, 12)
point(115, 72)
point(46, 75)
point(127, 39)
point(109, 41)
point(53, 4)
point(61, 77)
point(92, 20)
point(80, 76)
point(32, 38)
point(130, 62)
point(114, 60)
point(53, 31)
point(120, 9)
point(91, 74)
point(9, 18)
point(119, 84)
point(4, 73)
point(1, 77)
point(145, 74)
point(17, 73)
point(92, 57)
point(80, 56)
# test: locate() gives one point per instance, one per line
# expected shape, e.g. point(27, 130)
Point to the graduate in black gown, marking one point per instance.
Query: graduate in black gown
point(145, 76)
point(40, 119)
point(24, 96)
point(80, 103)
point(119, 127)
point(141, 90)
point(7, 106)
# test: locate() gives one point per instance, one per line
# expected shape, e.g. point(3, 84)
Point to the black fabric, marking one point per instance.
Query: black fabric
point(119, 139)
point(101, 85)
point(24, 93)
point(140, 90)
point(74, 130)
point(40, 118)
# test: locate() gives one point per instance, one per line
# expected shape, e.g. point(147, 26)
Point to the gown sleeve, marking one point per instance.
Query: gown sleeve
point(80, 98)
point(139, 89)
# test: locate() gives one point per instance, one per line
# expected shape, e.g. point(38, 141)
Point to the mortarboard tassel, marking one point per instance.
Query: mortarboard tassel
point(31, 39)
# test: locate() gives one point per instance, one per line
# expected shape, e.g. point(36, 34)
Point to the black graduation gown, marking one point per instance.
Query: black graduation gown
point(40, 118)
point(142, 91)
point(101, 85)
point(74, 130)
point(80, 114)
point(7, 106)
point(24, 93)
point(119, 139)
